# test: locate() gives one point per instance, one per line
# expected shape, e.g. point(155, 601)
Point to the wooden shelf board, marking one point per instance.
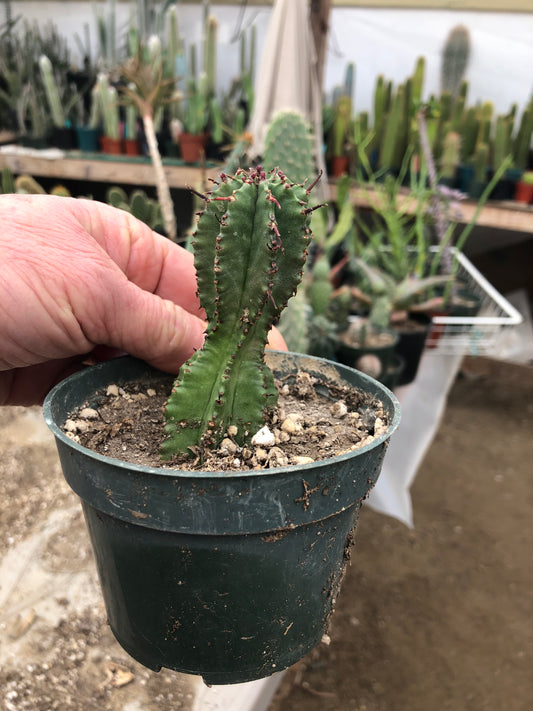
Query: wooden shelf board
point(133, 171)
point(508, 216)
point(139, 171)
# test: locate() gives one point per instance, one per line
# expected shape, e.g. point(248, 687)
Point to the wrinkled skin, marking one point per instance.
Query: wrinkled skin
point(79, 281)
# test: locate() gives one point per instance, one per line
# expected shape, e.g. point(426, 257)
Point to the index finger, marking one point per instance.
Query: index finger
point(148, 259)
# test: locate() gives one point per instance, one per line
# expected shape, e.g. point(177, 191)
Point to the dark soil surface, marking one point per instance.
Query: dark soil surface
point(312, 421)
point(435, 619)
point(441, 618)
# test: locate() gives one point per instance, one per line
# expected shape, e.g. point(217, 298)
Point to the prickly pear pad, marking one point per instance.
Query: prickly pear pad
point(250, 248)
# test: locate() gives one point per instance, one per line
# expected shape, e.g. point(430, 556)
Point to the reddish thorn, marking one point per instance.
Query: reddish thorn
point(315, 181)
point(312, 209)
point(195, 192)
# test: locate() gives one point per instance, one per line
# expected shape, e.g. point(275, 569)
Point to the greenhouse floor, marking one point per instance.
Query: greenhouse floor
point(439, 617)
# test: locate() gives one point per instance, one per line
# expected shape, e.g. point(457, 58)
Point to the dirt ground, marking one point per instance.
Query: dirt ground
point(441, 617)
point(438, 618)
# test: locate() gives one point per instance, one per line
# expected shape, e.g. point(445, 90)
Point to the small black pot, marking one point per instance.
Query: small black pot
point(231, 575)
point(393, 372)
point(410, 346)
point(64, 138)
point(350, 354)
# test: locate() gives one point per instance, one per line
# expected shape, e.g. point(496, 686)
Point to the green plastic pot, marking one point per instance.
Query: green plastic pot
point(231, 576)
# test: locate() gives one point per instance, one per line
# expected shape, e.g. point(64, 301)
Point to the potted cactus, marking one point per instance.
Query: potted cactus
point(63, 135)
point(339, 141)
point(89, 133)
point(111, 140)
point(229, 574)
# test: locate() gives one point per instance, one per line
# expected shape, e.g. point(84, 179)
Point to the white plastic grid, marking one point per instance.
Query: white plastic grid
point(474, 335)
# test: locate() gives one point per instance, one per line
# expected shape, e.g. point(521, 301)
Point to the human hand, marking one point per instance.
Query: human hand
point(78, 274)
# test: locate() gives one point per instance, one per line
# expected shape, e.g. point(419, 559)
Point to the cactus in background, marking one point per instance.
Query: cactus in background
point(293, 325)
point(250, 249)
point(216, 121)
point(52, 92)
point(382, 94)
point(469, 134)
point(131, 122)
point(289, 146)
point(458, 113)
point(8, 182)
point(522, 141)
point(139, 205)
point(455, 57)
point(392, 145)
point(210, 56)
point(107, 100)
point(95, 114)
point(349, 80)
point(320, 288)
point(450, 155)
point(27, 184)
point(502, 139)
point(341, 124)
point(481, 162)
point(417, 84)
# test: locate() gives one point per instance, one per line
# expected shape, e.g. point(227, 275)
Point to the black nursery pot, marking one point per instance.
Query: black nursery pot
point(64, 138)
point(229, 575)
point(410, 346)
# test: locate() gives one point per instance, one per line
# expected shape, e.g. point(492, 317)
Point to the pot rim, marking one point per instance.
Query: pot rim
point(56, 391)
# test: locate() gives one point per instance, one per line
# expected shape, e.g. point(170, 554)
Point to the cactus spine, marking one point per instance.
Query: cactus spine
point(250, 248)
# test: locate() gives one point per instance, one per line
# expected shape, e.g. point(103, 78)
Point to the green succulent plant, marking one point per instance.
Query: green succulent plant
point(250, 248)
point(385, 295)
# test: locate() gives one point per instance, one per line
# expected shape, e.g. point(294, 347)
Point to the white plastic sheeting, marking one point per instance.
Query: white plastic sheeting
point(379, 41)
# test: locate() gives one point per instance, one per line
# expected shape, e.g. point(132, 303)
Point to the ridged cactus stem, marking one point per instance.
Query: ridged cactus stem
point(250, 249)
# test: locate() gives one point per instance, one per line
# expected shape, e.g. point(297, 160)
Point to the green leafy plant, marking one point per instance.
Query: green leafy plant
point(250, 248)
point(386, 296)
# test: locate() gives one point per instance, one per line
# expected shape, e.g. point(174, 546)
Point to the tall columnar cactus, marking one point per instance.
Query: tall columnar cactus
point(289, 146)
point(455, 58)
point(450, 154)
point(210, 55)
point(250, 248)
point(393, 145)
point(52, 92)
point(522, 140)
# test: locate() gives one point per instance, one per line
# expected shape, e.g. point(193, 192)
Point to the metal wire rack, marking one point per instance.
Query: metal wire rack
point(473, 335)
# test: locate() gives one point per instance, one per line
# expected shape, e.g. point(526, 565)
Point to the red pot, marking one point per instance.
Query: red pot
point(111, 145)
point(523, 192)
point(132, 147)
point(192, 146)
point(339, 166)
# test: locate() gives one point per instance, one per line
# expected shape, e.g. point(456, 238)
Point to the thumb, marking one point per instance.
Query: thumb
point(154, 329)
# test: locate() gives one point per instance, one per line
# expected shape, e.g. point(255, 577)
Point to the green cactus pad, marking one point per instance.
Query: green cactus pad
point(250, 248)
point(289, 146)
